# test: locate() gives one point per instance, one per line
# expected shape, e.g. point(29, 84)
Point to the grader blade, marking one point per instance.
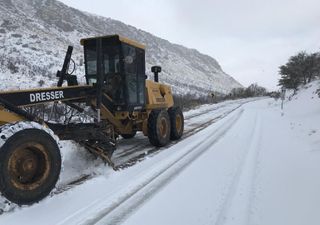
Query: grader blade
point(100, 152)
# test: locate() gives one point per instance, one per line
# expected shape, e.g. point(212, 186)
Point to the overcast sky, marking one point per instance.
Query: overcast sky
point(250, 39)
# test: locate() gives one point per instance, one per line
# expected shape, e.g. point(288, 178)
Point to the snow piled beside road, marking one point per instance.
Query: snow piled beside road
point(264, 171)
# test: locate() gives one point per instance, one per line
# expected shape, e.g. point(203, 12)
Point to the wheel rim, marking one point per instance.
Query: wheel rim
point(178, 123)
point(163, 127)
point(28, 166)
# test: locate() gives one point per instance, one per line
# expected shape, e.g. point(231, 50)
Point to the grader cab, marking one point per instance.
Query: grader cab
point(122, 102)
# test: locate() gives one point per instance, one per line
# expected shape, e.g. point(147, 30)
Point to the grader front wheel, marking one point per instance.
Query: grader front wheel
point(30, 164)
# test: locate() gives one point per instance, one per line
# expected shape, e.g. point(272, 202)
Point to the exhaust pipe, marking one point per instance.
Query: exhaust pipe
point(156, 70)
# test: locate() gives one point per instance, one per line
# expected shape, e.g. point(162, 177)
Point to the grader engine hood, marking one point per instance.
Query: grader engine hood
point(158, 95)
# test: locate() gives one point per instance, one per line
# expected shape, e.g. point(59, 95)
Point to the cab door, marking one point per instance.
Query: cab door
point(134, 69)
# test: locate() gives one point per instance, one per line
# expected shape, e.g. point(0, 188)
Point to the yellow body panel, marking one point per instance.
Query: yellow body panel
point(8, 117)
point(158, 95)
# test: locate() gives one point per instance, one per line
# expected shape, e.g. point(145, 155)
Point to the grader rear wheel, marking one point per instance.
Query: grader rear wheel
point(30, 164)
point(159, 128)
point(177, 123)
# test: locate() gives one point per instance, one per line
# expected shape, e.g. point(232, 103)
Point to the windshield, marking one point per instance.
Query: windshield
point(111, 62)
point(91, 62)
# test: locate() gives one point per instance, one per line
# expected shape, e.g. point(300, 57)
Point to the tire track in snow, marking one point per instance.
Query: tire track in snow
point(7, 207)
point(124, 204)
point(136, 155)
point(145, 145)
point(237, 205)
point(139, 155)
point(148, 151)
point(216, 108)
point(151, 151)
point(254, 185)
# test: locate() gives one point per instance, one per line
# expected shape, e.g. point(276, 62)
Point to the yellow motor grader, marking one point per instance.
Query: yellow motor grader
point(122, 102)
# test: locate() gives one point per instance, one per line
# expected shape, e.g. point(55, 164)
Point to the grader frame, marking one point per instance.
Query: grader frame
point(122, 100)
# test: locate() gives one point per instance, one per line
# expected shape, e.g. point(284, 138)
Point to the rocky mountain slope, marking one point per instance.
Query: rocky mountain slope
point(34, 35)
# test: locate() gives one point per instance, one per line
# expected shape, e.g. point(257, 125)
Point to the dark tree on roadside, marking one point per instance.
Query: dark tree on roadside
point(300, 69)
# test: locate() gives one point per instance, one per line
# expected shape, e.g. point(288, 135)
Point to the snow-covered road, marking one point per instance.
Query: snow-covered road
point(219, 187)
point(239, 164)
point(81, 166)
point(264, 170)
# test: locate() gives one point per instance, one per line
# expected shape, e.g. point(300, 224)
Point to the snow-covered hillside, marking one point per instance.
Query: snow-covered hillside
point(34, 35)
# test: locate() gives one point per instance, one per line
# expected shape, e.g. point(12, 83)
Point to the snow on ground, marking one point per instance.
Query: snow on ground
point(256, 165)
point(106, 188)
point(265, 170)
point(78, 163)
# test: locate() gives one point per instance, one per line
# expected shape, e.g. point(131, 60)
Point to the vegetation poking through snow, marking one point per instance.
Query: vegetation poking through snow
point(254, 90)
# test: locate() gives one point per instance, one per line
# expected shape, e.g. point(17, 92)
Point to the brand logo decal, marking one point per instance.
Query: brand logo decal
point(46, 96)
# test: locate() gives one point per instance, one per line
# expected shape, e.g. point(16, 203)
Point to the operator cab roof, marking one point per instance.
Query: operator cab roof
point(118, 38)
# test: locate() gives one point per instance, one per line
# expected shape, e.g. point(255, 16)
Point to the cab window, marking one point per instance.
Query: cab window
point(91, 63)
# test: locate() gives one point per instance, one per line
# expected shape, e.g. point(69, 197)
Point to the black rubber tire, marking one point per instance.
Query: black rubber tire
point(176, 128)
point(128, 136)
point(156, 118)
point(50, 164)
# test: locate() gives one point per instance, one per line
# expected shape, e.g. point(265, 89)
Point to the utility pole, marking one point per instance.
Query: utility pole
point(282, 95)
